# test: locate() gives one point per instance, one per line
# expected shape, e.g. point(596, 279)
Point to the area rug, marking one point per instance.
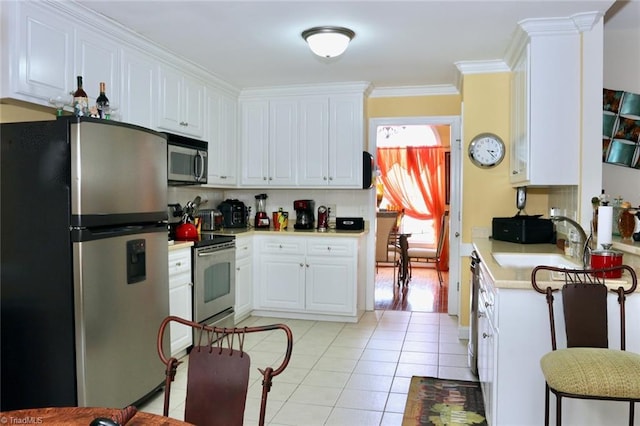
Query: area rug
point(442, 402)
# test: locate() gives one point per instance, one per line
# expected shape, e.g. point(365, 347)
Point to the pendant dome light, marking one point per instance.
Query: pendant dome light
point(327, 41)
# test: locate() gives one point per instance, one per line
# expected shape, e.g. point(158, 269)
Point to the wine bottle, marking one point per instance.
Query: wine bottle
point(102, 103)
point(80, 100)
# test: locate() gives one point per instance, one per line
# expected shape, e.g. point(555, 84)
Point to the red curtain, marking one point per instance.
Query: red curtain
point(414, 178)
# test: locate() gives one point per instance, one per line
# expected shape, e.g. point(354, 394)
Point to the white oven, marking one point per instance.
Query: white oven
point(214, 282)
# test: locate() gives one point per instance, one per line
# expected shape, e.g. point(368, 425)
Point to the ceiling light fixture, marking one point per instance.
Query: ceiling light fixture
point(328, 42)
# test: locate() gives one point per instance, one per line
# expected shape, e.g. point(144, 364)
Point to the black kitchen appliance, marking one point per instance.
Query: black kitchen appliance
point(523, 229)
point(234, 213)
point(350, 223)
point(84, 287)
point(367, 170)
point(304, 214)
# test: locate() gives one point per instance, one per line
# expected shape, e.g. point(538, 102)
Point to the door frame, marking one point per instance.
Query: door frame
point(455, 202)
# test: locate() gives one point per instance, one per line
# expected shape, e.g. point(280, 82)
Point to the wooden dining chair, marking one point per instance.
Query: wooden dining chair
point(387, 251)
point(218, 373)
point(432, 254)
point(587, 368)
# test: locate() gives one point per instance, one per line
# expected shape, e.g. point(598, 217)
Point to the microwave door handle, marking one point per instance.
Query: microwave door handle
point(199, 174)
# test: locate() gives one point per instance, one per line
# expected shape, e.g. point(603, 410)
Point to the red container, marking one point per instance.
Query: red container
point(186, 232)
point(606, 259)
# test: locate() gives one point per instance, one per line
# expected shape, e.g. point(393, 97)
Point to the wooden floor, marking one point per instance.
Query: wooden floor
point(423, 294)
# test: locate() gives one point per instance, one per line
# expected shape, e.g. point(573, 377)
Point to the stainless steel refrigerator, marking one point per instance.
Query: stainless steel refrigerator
point(84, 262)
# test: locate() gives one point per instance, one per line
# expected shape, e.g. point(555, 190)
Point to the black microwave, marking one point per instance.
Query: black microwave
point(187, 160)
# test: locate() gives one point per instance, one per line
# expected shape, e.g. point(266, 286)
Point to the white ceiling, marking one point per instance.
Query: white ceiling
point(397, 43)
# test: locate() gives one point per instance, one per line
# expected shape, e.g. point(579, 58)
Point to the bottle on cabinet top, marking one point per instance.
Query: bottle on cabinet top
point(80, 100)
point(102, 103)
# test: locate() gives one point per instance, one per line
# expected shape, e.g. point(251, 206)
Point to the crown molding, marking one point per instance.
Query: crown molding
point(406, 91)
point(539, 27)
point(482, 67)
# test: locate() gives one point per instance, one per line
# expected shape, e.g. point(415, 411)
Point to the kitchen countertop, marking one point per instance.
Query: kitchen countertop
point(517, 278)
point(177, 245)
point(291, 231)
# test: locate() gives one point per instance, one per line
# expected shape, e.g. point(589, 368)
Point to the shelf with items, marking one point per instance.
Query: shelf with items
point(621, 128)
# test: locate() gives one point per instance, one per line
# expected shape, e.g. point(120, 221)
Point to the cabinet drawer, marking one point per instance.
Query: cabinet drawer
point(244, 248)
point(283, 245)
point(180, 261)
point(330, 247)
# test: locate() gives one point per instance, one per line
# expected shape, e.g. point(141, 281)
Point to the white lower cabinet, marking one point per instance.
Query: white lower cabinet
point(308, 275)
point(180, 298)
point(244, 278)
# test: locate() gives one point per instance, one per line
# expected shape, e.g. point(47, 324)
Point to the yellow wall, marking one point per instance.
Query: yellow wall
point(14, 113)
point(414, 106)
point(486, 193)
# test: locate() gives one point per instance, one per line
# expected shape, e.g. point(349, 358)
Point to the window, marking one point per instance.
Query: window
point(404, 136)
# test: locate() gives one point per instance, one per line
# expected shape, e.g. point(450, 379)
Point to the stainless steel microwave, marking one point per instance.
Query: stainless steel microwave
point(187, 160)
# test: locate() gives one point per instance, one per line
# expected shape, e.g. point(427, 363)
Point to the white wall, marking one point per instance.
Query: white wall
point(621, 71)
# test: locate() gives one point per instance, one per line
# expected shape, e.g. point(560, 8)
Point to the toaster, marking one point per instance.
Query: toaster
point(234, 213)
point(210, 219)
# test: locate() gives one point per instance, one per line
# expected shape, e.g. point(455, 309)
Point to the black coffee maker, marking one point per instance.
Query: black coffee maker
point(304, 214)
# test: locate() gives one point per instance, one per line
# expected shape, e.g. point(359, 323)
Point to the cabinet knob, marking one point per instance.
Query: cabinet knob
point(481, 315)
point(178, 263)
point(280, 246)
point(264, 178)
point(324, 178)
point(487, 304)
point(514, 172)
point(330, 177)
point(486, 336)
point(237, 269)
point(457, 234)
point(270, 178)
point(329, 248)
point(190, 284)
point(307, 265)
point(301, 265)
point(482, 290)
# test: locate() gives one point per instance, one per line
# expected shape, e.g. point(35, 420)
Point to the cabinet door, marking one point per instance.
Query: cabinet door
point(181, 103)
point(192, 107)
point(314, 141)
point(221, 136)
point(139, 90)
point(519, 158)
point(42, 59)
point(180, 298)
point(255, 143)
point(180, 306)
point(330, 285)
point(97, 60)
point(345, 140)
point(244, 288)
point(282, 282)
point(283, 142)
point(169, 113)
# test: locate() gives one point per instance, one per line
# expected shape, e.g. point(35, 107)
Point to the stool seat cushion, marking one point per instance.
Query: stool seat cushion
point(421, 252)
point(593, 372)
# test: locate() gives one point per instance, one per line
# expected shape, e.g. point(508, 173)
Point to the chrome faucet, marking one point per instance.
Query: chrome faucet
point(585, 254)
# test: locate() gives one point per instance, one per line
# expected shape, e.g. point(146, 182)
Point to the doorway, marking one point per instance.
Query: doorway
point(451, 298)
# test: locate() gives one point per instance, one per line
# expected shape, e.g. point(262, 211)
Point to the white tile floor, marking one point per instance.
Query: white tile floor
point(344, 374)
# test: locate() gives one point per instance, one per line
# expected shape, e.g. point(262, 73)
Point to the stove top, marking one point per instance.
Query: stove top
point(211, 239)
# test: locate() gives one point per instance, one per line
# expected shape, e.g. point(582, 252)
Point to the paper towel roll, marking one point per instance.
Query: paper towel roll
point(605, 223)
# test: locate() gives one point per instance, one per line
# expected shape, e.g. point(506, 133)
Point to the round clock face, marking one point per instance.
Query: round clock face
point(486, 150)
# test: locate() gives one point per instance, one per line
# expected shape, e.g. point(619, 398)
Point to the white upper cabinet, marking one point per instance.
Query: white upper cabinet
point(98, 60)
point(37, 46)
point(545, 99)
point(269, 142)
point(303, 137)
point(139, 88)
point(221, 134)
point(181, 103)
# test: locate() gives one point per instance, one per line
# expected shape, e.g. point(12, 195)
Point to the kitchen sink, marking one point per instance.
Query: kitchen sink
point(531, 260)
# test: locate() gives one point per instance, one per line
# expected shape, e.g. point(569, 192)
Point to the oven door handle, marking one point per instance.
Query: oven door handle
point(212, 253)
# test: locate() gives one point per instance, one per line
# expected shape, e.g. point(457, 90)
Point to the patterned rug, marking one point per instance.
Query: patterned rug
point(442, 402)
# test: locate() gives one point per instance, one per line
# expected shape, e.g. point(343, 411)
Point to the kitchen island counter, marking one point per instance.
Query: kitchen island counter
point(518, 278)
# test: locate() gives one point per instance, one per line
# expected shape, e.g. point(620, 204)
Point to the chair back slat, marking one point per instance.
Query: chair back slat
point(585, 315)
point(584, 295)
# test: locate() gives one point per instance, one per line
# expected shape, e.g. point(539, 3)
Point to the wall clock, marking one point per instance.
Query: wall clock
point(486, 150)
